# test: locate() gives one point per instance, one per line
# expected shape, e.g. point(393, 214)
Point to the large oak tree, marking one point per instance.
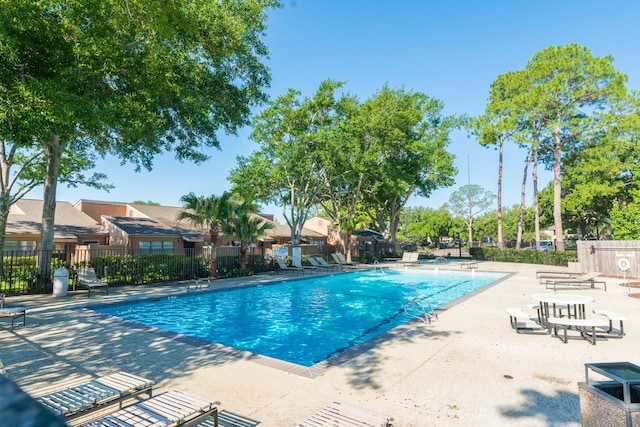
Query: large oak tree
point(134, 78)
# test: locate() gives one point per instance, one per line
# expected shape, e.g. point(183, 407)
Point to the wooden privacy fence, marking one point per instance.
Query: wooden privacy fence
point(615, 258)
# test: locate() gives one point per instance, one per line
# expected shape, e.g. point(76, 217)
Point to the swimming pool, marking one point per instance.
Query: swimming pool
point(303, 321)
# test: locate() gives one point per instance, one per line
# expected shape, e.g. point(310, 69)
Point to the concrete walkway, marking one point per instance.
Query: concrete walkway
point(469, 368)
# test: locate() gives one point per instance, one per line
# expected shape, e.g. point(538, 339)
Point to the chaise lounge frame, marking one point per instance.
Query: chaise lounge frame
point(89, 396)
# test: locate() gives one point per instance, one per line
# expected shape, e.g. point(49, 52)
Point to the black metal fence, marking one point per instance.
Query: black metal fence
point(19, 270)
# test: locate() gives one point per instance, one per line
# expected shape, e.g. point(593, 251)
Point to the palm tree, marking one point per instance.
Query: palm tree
point(212, 212)
point(246, 227)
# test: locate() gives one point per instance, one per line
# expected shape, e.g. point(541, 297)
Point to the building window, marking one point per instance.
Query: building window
point(90, 242)
point(22, 247)
point(155, 247)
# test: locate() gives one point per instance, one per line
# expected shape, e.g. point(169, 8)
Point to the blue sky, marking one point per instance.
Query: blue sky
point(449, 50)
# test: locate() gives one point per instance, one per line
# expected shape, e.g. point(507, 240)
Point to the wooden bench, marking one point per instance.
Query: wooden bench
point(581, 324)
point(611, 316)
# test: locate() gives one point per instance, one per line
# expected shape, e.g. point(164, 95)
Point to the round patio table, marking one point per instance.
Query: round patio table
point(550, 303)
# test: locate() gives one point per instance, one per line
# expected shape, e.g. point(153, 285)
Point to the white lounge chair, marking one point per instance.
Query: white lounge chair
point(87, 279)
point(342, 414)
point(173, 408)
point(12, 312)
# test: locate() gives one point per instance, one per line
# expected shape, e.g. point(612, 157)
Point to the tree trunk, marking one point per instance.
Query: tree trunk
point(53, 154)
point(557, 198)
point(213, 264)
point(4, 215)
point(536, 203)
point(243, 257)
point(500, 166)
point(348, 243)
point(523, 201)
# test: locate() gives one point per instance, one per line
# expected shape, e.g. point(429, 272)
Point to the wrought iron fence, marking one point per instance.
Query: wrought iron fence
point(116, 266)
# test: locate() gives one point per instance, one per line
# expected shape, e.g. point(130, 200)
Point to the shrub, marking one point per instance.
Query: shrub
point(523, 256)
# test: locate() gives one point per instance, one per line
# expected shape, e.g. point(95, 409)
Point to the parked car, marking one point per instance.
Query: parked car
point(547, 245)
point(409, 247)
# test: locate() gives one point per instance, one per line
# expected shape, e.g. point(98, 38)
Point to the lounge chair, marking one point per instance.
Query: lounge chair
point(585, 279)
point(87, 279)
point(342, 414)
point(409, 258)
point(82, 399)
point(229, 419)
point(305, 267)
point(315, 263)
point(324, 262)
point(340, 259)
point(283, 266)
point(173, 408)
point(12, 312)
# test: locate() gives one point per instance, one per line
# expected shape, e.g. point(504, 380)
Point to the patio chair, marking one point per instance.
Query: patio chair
point(342, 414)
point(12, 312)
point(172, 408)
point(283, 266)
point(82, 399)
point(87, 279)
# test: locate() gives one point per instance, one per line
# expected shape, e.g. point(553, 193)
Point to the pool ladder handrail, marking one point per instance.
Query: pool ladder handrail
point(198, 284)
point(417, 305)
point(376, 264)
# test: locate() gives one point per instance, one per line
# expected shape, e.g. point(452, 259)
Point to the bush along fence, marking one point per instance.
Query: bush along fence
point(18, 270)
point(523, 256)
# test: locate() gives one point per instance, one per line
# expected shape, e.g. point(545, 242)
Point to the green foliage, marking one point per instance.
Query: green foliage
point(19, 272)
point(467, 202)
point(418, 224)
point(625, 222)
point(132, 79)
point(139, 269)
point(148, 203)
point(524, 256)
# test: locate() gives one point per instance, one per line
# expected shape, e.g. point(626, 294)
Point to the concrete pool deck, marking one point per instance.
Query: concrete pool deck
point(468, 368)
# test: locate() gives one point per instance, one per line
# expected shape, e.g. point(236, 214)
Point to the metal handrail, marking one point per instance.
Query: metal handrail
point(417, 305)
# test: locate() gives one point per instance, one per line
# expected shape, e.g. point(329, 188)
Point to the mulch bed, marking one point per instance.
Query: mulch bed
point(632, 285)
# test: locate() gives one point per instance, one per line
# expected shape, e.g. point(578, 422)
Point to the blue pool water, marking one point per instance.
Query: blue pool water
point(303, 321)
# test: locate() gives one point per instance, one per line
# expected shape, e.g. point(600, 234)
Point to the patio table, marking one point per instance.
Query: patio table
point(549, 304)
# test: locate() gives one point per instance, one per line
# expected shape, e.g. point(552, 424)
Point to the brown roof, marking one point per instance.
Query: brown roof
point(169, 215)
point(25, 217)
point(138, 226)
